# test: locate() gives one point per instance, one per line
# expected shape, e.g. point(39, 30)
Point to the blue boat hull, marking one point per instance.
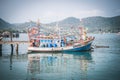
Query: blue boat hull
point(83, 48)
point(62, 49)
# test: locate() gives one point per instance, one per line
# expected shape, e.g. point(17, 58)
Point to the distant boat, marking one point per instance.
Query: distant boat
point(39, 42)
point(118, 33)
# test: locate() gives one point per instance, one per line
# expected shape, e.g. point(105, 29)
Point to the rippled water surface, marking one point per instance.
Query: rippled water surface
point(98, 64)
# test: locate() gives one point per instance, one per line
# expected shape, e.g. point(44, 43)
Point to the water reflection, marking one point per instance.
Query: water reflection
point(11, 55)
point(47, 66)
point(67, 66)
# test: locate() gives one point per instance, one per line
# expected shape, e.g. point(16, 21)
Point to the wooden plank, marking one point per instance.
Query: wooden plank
point(14, 42)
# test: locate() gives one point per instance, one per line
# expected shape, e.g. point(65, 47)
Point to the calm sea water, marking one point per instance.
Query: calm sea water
point(99, 64)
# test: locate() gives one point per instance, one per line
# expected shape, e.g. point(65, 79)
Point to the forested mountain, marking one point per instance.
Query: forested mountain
point(94, 24)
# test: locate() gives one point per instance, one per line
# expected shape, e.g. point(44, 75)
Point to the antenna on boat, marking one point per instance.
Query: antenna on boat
point(38, 24)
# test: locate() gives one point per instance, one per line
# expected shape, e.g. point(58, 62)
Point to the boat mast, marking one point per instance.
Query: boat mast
point(29, 34)
point(59, 33)
point(38, 24)
point(81, 30)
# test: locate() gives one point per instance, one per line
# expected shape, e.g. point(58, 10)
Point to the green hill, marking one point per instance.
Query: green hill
point(4, 25)
point(110, 24)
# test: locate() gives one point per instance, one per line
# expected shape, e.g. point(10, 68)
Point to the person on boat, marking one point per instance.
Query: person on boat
point(58, 43)
point(65, 41)
point(36, 43)
point(31, 42)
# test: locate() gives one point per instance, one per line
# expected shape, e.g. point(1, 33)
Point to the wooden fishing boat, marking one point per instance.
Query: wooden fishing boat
point(55, 43)
point(77, 47)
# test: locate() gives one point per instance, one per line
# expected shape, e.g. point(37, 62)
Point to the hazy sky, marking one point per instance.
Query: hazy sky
point(18, 11)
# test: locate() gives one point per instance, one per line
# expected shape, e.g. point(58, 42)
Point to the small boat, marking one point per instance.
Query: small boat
point(39, 42)
point(118, 33)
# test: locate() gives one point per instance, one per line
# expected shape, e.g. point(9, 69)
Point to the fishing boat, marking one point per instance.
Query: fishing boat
point(40, 42)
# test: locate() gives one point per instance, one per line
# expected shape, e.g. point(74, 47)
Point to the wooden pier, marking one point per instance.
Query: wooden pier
point(14, 42)
point(11, 43)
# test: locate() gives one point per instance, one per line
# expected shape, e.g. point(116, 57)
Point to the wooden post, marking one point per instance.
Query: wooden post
point(11, 59)
point(0, 49)
point(11, 41)
point(11, 36)
point(17, 49)
point(12, 49)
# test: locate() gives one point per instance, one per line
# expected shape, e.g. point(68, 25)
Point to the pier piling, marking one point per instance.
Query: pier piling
point(11, 41)
point(12, 48)
point(17, 46)
point(0, 49)
point(11, 55)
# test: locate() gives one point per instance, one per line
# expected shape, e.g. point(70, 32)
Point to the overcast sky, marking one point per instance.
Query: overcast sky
point(18, 11)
